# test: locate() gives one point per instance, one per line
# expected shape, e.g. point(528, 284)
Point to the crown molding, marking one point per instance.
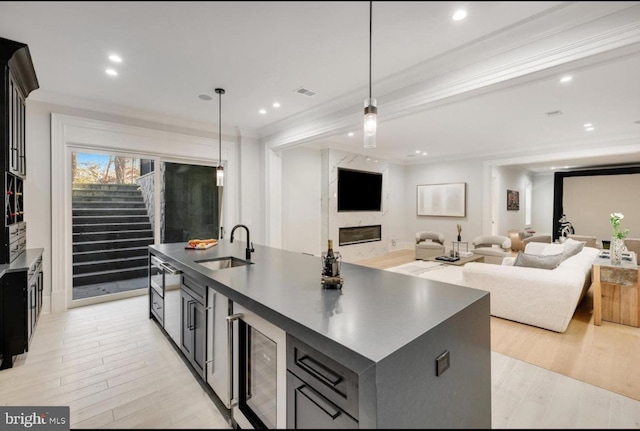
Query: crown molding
point(568, 39)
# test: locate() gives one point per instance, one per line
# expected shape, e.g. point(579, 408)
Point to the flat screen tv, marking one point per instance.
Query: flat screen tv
point(359, 190)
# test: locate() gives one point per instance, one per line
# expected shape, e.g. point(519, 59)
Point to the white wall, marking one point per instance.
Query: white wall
point(464, 171)
point(399, 238)
point(543, 204)
point(511, 179)
point(588, 202)
point(252, 204)
point(301, 186)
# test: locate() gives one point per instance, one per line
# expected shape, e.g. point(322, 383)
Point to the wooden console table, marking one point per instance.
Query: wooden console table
point(616, 292)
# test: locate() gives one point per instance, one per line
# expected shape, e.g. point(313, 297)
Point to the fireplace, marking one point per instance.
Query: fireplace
point(359, 234)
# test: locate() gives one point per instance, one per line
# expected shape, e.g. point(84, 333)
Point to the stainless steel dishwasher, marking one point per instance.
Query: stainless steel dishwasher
point(168, 278)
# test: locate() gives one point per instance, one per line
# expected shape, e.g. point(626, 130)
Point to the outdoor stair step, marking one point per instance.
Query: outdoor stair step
point(112, 244)
point(117, 218)
point(109, 211)
point(107, 197)
point(109, 264)
point(96, 255)
point(106, 193)
point(111, 235)
point(105, 186)
point(110, 227)
point(109, 276)
point(108, 204)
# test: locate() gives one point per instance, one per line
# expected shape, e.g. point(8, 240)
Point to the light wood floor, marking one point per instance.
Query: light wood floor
point(114, 368)
point(607, 356)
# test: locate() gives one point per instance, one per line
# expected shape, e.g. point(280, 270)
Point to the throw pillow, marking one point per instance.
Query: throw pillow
point(537, 260)
point(571, 248)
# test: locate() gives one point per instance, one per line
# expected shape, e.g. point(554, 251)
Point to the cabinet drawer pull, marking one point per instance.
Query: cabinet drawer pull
point(318, 370)
point(319, 401)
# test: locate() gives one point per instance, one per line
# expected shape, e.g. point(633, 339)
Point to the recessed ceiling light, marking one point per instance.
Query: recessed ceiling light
point(111, 72)
point(417, 151)
point(204, 97)
point(263, 111)
point(589, 129)
point(588, 125)
point(115, 58)
point(566, 78)
point(552, 168)
point(424, 153)
point(350, 133)
point(276, 105)
point(459, 14)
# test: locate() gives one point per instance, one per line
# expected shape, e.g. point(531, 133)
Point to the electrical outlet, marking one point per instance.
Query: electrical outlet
point(442, 363)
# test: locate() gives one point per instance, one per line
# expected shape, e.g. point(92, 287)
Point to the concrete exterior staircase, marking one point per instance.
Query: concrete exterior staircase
point(111, 232)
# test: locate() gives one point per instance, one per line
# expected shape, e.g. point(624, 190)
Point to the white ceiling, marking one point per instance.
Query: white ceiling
point(260, 52)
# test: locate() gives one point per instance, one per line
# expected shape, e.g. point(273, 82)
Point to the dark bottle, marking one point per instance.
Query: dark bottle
point(330, 263)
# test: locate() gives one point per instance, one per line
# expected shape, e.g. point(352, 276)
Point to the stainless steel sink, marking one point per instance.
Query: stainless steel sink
point(222, 262)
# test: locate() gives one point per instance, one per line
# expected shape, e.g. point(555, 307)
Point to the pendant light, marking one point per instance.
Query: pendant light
point(370, 104)
point(220, 169)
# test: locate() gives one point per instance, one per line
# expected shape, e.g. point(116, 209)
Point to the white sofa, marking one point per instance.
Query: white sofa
point(546, 298)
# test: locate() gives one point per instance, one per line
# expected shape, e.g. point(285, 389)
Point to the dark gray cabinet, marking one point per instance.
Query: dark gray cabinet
point(193, 328)
point(21, 292)
point(321, 393)
point(18, 80)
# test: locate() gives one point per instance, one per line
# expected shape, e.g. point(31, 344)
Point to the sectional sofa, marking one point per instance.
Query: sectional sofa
point(546, 298)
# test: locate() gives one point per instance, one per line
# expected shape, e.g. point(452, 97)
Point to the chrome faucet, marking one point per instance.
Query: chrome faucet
point(249, 243)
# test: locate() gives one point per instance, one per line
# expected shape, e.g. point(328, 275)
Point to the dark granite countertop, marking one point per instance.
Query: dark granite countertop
point(375, 313)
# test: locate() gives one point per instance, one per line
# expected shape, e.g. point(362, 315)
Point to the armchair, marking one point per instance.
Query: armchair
point(633, 244)
point(520, 239)
point(590, 241)
point(429, 244)
point(493, 247)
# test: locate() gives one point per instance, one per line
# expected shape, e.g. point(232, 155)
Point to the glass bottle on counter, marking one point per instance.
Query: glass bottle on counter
point(330, 263)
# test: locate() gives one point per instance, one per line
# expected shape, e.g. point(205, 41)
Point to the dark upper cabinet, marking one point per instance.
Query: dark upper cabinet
point(18, 81)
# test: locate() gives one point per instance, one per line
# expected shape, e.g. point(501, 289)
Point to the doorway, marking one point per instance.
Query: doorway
point(111, 226)
point(114, 217)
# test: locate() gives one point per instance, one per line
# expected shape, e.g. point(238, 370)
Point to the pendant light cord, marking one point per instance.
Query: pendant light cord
point(370, 37)
point(220, 128)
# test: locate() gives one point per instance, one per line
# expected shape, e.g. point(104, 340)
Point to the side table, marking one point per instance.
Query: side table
point(616, 292)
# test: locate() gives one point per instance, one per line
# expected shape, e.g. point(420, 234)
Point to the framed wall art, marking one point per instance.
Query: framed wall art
point(513, 200)
point(444, 200)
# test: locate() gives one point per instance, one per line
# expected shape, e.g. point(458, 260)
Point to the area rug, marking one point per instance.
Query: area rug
point(431, 270)
point(607, 356)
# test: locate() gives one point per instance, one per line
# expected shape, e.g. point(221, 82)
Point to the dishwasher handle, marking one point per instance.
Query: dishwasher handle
point(170, 269)
point(230, 319)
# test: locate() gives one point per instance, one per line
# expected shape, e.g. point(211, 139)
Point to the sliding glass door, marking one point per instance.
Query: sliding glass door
point(191, 203)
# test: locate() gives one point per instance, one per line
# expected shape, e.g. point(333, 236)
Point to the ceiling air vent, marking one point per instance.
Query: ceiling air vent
point(554, 113)
point(304, 91)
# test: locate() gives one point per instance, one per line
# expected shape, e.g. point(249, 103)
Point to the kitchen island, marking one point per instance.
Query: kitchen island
point(411, 352)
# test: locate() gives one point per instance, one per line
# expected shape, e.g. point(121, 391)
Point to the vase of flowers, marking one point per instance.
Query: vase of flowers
point(617, 239)
point(459, 232)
